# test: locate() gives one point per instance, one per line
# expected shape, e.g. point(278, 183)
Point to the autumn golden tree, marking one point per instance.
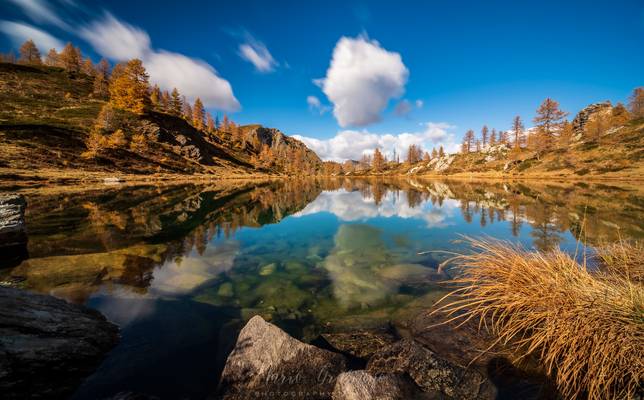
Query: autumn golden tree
point(517, 128)
point(165, 101)
point(52, 59)
point(186, 110)
point(484, 135)
point(636, 102)
point(468, 140)
point(548, 121)
point(176, 104)
point(493, 137)
point(101, 79)
point(70, 58)
point(155, 96)
point(210, 123)
point(378, 161)
point(619, 115)
point(414, 154)
point(434, 153)
point(441, 151)
point(87, 67)
point(29, 53)
point(129, 88)
point(198, 114)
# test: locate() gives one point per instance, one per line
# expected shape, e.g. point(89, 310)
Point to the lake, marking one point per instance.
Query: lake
point(180, 268)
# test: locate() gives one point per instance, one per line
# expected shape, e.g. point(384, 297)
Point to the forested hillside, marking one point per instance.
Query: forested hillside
point(66, 116)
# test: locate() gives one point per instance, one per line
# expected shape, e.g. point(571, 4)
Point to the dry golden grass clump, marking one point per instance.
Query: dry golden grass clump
point(585, 325)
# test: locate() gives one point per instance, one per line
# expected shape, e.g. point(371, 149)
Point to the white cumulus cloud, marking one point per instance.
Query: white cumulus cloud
point(361, 79)
point(20, 32)
point(257, 54)
point(194, 78)
point(352, 144)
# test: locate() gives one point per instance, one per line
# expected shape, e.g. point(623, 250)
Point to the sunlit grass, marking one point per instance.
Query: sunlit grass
point(585, 325)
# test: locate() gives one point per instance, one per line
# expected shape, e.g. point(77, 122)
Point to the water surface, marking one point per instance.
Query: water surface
point(181, 267)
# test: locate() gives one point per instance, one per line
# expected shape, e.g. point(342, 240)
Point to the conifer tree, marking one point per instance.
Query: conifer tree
point(29, 53)
point(52, 59)
point(468, 140)
point(210, 123)
point(225, 125)
point(517, 128)
point(165, 101)
point(71, 59)
point(619, 115)
point(176, 103)
point(493, 137)
point(441, 151)
point(155, 96)
point(378, 161)
point(198, 114)
point(636, 102)
point(484, 135)
point(102, 78)
point(548, 121)
point(565, 135)
point(129, 87)
point(87, 67)
point(186, 111)
point(434, 153)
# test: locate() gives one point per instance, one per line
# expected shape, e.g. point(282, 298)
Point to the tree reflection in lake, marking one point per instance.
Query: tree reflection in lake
point(311, 255)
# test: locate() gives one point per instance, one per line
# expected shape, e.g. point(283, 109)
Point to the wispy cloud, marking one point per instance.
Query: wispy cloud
point(256, 53)
point(316, 105)
point(41, 12)
point(361, 79)
point(20, 32)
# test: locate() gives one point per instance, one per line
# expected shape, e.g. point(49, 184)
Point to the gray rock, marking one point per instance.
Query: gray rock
point(362, 385)
point(266, 361)
point(12, 220)
point(47, 346)
point(580, 120)
point(13, 233)
point(430, 372)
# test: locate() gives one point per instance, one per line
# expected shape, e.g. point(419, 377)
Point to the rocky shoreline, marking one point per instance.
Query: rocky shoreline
point(267, 363)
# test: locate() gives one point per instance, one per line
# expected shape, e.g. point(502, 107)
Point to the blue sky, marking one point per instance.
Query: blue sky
point(454, 65)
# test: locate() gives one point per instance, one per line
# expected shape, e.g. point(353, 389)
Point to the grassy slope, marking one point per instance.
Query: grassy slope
point(46, 116)
point(617, 155)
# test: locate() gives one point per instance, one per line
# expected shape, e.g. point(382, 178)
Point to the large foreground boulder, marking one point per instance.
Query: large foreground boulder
point(267, 362)
point(13, 234)
point(430, 372)
point(47, 346)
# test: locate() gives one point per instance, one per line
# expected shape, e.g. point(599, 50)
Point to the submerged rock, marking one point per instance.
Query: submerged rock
point(361, 344)
point(430, 372)
point(362, 385)
point(47, 346)
point(13, 233)
point(266, 361)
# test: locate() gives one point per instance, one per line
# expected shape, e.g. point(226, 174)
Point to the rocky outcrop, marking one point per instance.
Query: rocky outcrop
point(362, 385)
point(430, 372)
point(47, 346)
point(586, 114)
point(13, 233)
point(266, 361)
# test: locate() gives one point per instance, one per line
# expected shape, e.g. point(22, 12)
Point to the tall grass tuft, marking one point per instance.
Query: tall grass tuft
point(585, 325)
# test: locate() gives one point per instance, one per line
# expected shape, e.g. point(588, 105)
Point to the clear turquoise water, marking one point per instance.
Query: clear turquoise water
point(181, 268)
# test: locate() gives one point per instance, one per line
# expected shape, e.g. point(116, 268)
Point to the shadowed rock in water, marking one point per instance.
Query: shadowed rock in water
point(267, 360)
point(47, 346)
point(430, 372)
point(13, 234)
